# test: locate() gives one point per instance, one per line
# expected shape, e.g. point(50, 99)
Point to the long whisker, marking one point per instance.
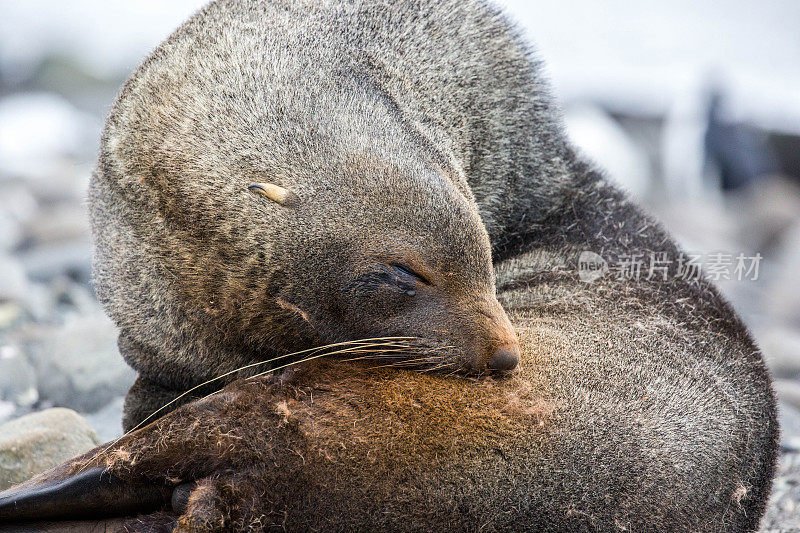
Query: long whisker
point(399, 360)
point(416, 358)
point(386, 354)
point(358, 344)
point(444, 364)
point(326, 354)
point(245, 367)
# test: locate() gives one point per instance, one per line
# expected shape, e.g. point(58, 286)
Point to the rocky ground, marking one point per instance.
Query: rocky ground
point(58, 349)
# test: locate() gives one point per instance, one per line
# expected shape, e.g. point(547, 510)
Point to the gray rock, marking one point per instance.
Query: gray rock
point(788, 392)
point(72, 258)
point(79, 366)
point(10, 231)
point(39, 303)
point(781, 347)
point(108, 420)
point(719, 229)
point(7, 410)
point(74, 296)
point(784, 289)
point(57, 301)
point(66, 181)
point(10, 313)
point(17, 200)
point(783, 510)
point(17, 378)
point(789, 419)
point(14, 283)
point(602, 139)
point(33, 443)
point(766, 210)
point(41, 132)
point(17, 208)
point(65, 222)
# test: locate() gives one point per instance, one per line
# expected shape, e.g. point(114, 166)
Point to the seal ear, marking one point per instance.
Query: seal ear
point(275, 193)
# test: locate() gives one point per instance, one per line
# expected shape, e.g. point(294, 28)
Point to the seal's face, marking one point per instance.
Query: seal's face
point(459, 325)
point(403, 256)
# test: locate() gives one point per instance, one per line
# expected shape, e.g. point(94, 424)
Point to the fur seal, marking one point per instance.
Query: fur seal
point(637, 406)
point(280, 174)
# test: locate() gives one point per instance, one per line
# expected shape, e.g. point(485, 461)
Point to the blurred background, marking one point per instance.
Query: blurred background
point(693, 107)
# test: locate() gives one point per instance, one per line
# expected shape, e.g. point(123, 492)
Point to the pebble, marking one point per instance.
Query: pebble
point(38, 441)
point(79, 365)
point(781, 348)
point(17, 378)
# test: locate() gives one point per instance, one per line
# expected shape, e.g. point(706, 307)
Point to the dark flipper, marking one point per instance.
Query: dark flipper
point(138, 474)
point(182, 443)
point(93, 526)
point(92, 494)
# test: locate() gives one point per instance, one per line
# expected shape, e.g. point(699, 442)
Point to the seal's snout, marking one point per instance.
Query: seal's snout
point(504, 358)
point(496, 347)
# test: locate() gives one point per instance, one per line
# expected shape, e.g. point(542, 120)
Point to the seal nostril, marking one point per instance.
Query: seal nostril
point(504, 358)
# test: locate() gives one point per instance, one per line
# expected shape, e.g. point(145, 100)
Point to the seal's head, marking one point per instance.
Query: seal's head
point(384, 250)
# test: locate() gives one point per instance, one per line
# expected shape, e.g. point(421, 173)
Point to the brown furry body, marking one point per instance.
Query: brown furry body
point(637, 407)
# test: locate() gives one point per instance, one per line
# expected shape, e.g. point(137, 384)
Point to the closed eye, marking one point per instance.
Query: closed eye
point(395, 274)
point(407, 272)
